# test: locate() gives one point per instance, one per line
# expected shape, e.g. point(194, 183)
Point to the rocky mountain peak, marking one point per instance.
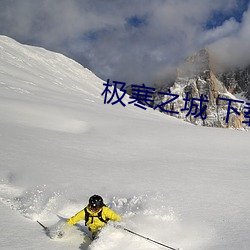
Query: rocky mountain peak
point(197, 64)
point(196, 79)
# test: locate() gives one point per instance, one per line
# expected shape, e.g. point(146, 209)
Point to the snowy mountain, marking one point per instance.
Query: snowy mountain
point(225, 93)
point(183, 185)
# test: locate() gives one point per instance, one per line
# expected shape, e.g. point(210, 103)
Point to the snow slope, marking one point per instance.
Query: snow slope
point(182, 185)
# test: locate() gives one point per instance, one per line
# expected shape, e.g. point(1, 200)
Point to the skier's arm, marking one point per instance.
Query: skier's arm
point(77, 217)
point(110, 214)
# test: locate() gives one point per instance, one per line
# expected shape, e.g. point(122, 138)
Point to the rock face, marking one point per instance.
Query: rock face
point(206, 88)
point(237, 81)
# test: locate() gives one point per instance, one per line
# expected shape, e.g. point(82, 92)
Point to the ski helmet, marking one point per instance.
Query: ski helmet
point(95, 202)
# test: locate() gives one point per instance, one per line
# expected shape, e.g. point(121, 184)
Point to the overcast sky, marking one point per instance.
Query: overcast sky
point(136, 41)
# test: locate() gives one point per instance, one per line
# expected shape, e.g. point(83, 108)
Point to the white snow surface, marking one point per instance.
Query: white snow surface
point(182, 185)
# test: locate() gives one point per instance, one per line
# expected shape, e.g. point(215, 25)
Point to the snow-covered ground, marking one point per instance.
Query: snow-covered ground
point(182, 185)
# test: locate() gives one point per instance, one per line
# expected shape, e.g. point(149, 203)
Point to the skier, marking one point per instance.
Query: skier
point(95, 214)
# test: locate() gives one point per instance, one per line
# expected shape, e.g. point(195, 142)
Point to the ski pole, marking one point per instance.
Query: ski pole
point(45, 228)
point(146, 238)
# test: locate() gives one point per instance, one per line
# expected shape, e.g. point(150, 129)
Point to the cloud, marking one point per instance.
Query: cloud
point(133, 41)
point(232, 50)
point(228, 28)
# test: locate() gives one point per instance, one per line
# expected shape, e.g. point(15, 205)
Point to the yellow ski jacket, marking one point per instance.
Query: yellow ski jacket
point(94, 223)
